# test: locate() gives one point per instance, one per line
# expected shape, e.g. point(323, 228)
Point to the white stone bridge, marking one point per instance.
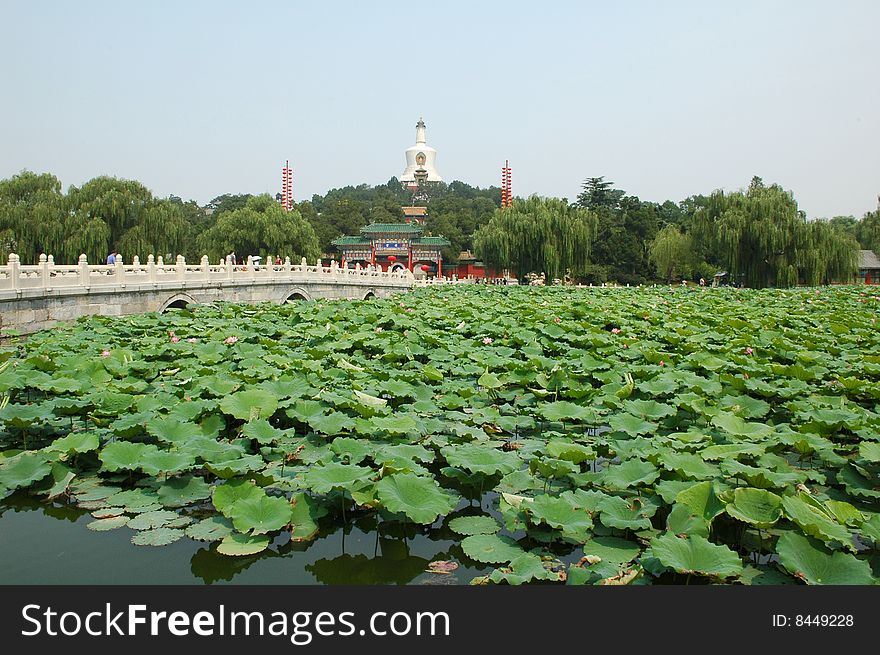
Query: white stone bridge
point(35, 297)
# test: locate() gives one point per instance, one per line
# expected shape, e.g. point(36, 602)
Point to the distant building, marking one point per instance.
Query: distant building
point(469, 267)
point(869, 267)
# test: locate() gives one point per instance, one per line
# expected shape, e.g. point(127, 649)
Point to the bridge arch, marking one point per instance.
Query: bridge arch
point(369, 295)
point(177, 301)
point(294, 294)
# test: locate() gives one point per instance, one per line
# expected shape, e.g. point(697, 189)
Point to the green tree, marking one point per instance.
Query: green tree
point(597, 192)
point(868, 230)
point(261, 226)
point(672, 253)
point(538, 235)
point(762, 238)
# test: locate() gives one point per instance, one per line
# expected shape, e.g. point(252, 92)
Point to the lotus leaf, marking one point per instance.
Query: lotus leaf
point(260, 514)
point(491, 548)
point(250, 404)
point(332, 475)
point(23, 470)
point(630, 473)
point(808, 560)
point(469, 525)
point(612, 549)
point(482, 460)
point(702, 500)
point(155, 462)
point(150, 520)
point(696, 555)
point(124, 455)
point(616, 512)
point(305, 513)
point(421, 499)
point(225, 495)
point(212, 528)
point(524, 568)
point(757, 507)
point(683, 521)
point(354, 451)
point(76, 442)
point(108, 524)
point(815, 522)
point(173, 430)
point(156, 537)
point(183, 491)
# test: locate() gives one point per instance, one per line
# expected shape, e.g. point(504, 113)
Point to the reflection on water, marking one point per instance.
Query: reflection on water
point(48, 543)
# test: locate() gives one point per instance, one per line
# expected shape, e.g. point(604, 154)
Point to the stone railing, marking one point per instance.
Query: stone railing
point(48, 275)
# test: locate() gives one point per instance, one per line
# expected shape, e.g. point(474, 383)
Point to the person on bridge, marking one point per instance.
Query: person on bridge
point(111, 258)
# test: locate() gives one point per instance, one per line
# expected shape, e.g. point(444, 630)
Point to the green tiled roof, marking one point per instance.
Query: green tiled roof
point(392, 228)
point(431, 241)
point(350, 241)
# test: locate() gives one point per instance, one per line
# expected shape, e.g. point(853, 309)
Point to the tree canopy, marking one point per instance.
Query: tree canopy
point(538, 234)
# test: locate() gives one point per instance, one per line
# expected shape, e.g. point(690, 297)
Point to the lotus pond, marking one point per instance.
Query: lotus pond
point(469, 434)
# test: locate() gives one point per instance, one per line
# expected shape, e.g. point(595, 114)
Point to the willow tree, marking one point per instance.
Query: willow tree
point(763, 239)
point(262, 226)
point(32, 215)
point(538, 235)
point(672, 253)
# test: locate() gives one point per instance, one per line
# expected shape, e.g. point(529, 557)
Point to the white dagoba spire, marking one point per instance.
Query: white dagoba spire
point(421, 158)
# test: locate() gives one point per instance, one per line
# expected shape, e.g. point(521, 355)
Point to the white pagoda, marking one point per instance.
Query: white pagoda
point(420, 158)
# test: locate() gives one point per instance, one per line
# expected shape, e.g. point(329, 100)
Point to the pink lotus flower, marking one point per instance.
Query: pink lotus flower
point(379, 330)
point(749, 350)
point(662, 363)
point(170, 333)
point(175, 339)
point(745, 376)
point(230, 340)
point(192, 340)
point(105, 353)
point(487, 340)
point(557, 320)
point(615, 330)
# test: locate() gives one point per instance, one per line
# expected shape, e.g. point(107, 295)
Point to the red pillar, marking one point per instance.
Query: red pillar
point(372, 254)
point(439, 265)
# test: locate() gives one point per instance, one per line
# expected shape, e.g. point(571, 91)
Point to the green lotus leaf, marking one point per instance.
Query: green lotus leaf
point(572, 452)
point(808, 560)
point(213, 528)
point(239, 545)
point(870, 529)
point(612, 549)
point(353, 451)
point(683, 521)
point(94, 493)
point(689, 466)
point(421, 499)
point(524, 568)
point(155, 462)
point(108, 512)
point(173, 430)
point(815, 522)
point(845, 513)
point(140, 509)
point(398, 424)
point(133, 498)
point(261, 431)
point(23, 470)
point(62, 476)
point(304, 518)
point(631, 425)
point(332, 423)
point(183, 491)
point(111, 523)
point(368, 400)
point(250, 404)
point(649, 409)
point(76, 442)
point(481, 459)
point(491, 548)
point(469, 525)
point(553, 468)
point(757, 507)
point(702, 500)
point(669, 489)
point(616, 512)
point(239, 466)
point(260, 514)
point(857, 484)
point(696, 555)
point(870, 451)
point(333, 475)
point(738, 427)
point(489, 381)
point(227, 494)
point(150, 520)
point(563, 410)
point(22, 416)
point(558, 513)
point(124, 455)
point(732, 451)
point(156, 537)
point(631, 473)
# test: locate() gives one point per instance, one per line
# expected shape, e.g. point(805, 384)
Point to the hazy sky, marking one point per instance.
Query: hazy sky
point(667, 99)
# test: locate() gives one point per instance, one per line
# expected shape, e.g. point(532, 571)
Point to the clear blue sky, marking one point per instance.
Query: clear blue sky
point(667, 99)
